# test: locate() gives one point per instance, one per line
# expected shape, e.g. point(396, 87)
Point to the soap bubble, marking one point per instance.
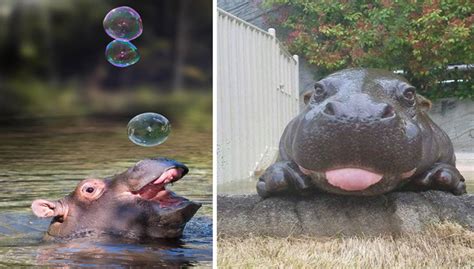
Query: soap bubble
point(121, 53)
point(148, 129)
point(123, 23)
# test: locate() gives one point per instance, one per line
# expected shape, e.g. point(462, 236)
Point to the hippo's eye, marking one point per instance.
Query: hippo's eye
point(319, 92)
point(409, 94)
point(90, 189)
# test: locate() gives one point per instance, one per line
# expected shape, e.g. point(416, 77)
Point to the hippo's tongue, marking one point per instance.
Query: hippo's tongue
point(156, 191)
point(352, 179)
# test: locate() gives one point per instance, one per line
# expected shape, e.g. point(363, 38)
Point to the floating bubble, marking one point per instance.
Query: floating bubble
point(121, 53)
point(123, 23)
point(148, 129)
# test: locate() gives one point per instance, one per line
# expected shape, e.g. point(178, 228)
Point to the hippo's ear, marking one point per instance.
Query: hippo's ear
point(423, 103)
point(45, 209)
point(307, 96)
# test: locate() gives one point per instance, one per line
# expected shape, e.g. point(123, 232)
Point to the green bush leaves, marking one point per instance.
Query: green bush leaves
point(419, 37)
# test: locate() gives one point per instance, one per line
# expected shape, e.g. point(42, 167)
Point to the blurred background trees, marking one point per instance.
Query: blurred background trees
point(420, 38)
point(52, 58)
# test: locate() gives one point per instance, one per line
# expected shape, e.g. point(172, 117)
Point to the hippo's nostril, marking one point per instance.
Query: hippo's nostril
point(388, 112)
point(330, 109)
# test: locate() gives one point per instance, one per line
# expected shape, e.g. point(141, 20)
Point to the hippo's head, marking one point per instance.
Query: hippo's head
point(133, 204)
point(359, 132)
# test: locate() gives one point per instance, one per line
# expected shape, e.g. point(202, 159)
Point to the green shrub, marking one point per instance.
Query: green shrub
point(419, 37)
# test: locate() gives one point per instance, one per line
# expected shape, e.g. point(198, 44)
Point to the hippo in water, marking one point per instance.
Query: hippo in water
point(133, 204)
point(362, 132)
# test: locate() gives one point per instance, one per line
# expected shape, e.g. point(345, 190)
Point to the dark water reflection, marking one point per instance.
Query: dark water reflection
point(47, 158)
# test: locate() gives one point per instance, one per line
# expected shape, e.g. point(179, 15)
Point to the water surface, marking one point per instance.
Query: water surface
point(46, 159)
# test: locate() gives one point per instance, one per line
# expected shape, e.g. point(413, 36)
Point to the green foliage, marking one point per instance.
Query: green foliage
point(419, 37)
point(32, 98)
point(64, 40)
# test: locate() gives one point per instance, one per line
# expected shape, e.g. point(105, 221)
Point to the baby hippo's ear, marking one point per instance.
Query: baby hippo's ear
point(45, 209)
point(306, 96)
point(423, 102)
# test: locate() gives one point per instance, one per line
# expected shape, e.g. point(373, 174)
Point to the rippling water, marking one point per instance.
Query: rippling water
point(47, 158)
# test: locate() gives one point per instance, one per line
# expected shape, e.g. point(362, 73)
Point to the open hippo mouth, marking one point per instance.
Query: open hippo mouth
point(156, 190)
point(352, 179)
point(133, 204)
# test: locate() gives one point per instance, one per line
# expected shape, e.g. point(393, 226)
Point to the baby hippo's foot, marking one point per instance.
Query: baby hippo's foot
point(272, 182)
point(281, 178)
point(443, 177)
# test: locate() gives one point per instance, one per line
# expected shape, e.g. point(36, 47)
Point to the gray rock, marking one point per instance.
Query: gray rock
point(327, 214)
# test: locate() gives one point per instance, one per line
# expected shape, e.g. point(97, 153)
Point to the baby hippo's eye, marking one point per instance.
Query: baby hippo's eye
point(409, 94)
point(319, 92)
point(90, 189)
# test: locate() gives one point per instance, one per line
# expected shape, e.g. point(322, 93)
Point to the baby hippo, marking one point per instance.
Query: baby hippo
point(134, 204)
point(363, 132)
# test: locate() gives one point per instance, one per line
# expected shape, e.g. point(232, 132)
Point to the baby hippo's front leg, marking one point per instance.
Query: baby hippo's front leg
point(441, 176)
point(282, 177)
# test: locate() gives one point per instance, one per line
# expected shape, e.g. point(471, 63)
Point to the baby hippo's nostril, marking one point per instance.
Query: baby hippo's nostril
point(330, 109)
point(388, 112)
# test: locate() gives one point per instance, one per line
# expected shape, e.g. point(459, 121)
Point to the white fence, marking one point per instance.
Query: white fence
point(257, 95)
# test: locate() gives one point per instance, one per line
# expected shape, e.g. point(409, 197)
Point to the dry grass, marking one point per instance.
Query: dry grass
point(444, 245)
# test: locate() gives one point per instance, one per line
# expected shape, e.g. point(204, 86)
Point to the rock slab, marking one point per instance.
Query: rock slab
point(325, 214)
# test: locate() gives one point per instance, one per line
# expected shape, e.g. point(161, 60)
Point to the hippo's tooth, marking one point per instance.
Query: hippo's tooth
point(305, 171)
point(169, 175)
point(409, 173)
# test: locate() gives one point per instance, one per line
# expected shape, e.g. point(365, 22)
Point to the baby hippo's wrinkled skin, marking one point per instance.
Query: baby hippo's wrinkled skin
point(363, 132)
point(134, 204)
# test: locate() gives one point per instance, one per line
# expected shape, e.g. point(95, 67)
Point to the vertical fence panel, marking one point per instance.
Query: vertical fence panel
point(257, 95)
